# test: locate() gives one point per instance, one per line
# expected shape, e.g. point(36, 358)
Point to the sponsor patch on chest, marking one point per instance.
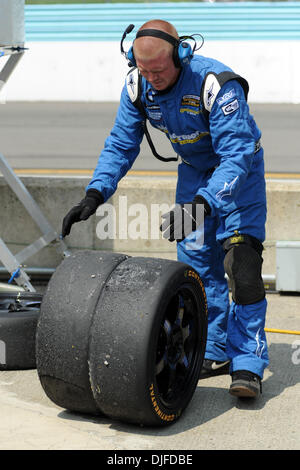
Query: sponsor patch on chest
point(190, 104)
point(154, 112)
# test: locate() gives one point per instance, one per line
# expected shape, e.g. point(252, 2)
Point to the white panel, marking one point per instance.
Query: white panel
point(288, 266)
point(12, 30)
point(95, 71)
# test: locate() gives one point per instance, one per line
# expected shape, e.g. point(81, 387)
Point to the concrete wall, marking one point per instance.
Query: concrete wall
point(57, 195)
point(95, 71)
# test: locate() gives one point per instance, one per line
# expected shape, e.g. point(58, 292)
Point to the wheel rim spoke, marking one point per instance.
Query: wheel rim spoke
point(171, 379)
point(168, 330)
point(184, 361)
point(176, 352)
point(160, 365)
point(180, 316)
point(186, 331)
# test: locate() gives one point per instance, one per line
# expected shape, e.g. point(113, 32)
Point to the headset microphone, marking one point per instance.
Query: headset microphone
point(127, 31)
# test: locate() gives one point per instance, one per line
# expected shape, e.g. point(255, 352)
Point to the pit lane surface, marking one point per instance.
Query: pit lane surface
point(214, 420)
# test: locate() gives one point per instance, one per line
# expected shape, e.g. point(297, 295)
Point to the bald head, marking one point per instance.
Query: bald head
point(148, 47)
point(162, 26)
point(154, 55)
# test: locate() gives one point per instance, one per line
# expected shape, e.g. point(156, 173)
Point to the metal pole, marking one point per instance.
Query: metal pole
point(9, 67)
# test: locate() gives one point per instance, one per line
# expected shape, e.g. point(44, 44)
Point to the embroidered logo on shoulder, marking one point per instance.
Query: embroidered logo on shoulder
point(209, 95)
point(210, 90)
point(132, 85)
point(230, 108)
point(227, 96)
point(131, 82)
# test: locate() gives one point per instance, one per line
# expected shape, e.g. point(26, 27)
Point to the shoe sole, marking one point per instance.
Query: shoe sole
point(243, 391)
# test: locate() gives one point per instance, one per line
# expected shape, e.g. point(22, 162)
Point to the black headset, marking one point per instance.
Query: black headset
point(182, 50)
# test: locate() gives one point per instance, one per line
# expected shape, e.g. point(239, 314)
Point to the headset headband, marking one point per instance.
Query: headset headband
point(156, 33)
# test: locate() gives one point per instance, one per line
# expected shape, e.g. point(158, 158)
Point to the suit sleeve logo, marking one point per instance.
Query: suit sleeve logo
point(230, 108)
point(227, 189)
point(226, 97)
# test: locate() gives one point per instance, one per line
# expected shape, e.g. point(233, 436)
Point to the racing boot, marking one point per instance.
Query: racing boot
point(245, 384)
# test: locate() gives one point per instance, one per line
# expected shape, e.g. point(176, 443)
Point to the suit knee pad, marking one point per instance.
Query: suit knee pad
point(243, 265)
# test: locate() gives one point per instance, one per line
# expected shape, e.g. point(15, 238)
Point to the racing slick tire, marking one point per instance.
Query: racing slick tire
point(147, 341)
point(62, 342)
point(19, 312)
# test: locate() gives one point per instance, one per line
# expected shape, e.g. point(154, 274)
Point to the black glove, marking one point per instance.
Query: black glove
point(83, 210)
point(184, 219)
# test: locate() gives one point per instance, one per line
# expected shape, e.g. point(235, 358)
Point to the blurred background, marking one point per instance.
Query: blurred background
point(62, 98)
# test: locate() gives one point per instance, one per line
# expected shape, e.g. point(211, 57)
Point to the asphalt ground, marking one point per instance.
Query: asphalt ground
point(70, 136)
point(214, 420)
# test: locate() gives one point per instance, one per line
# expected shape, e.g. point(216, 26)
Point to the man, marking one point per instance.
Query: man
point(200, 104)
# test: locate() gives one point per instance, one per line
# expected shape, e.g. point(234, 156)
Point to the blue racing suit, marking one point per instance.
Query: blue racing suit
point(221, 161)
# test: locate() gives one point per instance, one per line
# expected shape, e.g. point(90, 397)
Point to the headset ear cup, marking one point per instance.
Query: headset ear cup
point(176, 60)
point(184, 53)
point(130, 57)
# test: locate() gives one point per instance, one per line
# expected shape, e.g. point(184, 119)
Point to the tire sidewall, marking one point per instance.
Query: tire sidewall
point(186, 279)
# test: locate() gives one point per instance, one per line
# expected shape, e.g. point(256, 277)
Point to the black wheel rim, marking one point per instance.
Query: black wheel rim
point(177, 348)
